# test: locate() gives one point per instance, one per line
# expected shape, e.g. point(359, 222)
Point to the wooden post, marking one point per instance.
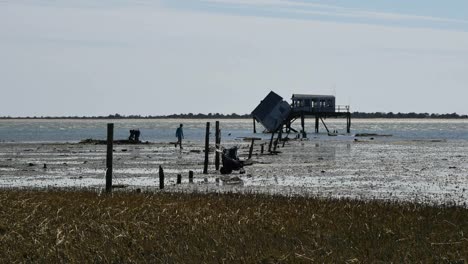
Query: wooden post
point(251, 148)
point(207, 147)
point(348, 123)
point(179, 178)
point(217, 142)
point(280, 134)
point(110, 149)
point(254, 126)
point(161, 178)
point(302, 124)
point(349, 130)
point(316, 124)
point(190, 176)
point(278, 138)
point(262, 148)
point(271, 141)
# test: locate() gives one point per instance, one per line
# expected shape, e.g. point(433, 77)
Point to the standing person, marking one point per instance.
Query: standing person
point(180, 135)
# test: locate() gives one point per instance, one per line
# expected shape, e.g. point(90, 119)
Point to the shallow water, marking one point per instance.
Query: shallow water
point(163, 130)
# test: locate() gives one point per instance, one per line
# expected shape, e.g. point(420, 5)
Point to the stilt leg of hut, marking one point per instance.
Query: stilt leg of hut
point(254, 126)
point(316, 124)
point(347, 124)
point(287, 134)
point(325, 125)
point(280, 134)
point(289, 127)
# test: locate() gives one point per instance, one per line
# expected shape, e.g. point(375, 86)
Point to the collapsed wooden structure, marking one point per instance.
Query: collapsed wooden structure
point(276, 115)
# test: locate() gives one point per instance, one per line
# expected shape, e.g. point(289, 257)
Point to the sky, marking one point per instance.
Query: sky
point(87, 58)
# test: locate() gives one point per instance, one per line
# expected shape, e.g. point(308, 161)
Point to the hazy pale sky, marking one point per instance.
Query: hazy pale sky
point(82, 57)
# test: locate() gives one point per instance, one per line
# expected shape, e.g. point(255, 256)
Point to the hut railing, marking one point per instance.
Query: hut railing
point(342, 109)
point(310, 109)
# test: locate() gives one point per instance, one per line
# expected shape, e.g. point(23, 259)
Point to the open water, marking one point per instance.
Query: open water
point(163, 130)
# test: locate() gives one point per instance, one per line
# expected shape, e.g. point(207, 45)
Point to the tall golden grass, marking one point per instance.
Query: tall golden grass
point(83, 227)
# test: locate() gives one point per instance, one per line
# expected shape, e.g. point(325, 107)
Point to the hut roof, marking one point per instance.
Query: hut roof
point(311, 96)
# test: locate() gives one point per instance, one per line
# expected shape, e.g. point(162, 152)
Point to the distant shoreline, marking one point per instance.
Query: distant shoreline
point(358, 115)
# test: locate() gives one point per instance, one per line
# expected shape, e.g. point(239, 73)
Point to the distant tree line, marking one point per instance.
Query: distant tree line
point(243, 116)
point(119, 116)
point(407, 115)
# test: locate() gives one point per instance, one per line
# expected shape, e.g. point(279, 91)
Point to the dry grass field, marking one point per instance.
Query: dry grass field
point(84, 226)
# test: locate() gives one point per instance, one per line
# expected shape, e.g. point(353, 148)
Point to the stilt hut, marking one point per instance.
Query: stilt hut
point(311, 104)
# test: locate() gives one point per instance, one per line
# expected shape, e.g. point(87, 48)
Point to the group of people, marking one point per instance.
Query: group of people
point(134, 135)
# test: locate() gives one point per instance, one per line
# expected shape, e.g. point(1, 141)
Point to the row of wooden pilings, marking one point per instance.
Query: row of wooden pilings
point(110, 149)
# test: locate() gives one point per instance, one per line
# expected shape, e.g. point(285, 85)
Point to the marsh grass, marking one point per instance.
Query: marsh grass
point(84, 226)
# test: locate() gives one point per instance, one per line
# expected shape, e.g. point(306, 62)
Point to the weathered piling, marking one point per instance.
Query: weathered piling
point(251, 148)
point(161, 178)
point(179, 178)
point(280, 134)
point(262, 148)
point(325, 125)
point(278, 138)
point(190, 176)
point(254, 126)
point(348, 123)
point(316, 124)
point(207, 148)
point(110, 149)
point(218, 143)
point(271, 141)
point(303, 124)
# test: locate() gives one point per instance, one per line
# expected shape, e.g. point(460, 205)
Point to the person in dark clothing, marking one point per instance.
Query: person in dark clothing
point(180, 135)
point(137, 136)
point(134, 136)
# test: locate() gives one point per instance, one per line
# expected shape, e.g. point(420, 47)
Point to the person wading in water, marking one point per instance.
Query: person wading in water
point(180, 135)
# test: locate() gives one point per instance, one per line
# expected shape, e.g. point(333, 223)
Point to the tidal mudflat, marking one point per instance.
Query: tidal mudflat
point(425, 171)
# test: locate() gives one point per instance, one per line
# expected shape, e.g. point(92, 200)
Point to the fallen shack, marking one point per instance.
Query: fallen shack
point(275, 114)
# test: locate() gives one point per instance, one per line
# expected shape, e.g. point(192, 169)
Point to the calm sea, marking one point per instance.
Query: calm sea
point(164, 130)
